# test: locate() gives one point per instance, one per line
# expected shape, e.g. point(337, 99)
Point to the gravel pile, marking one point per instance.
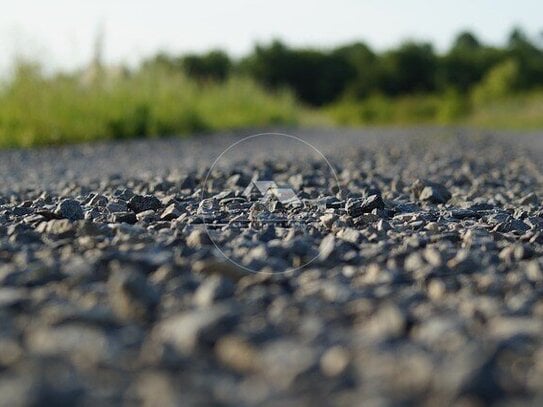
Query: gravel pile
point(417, 280)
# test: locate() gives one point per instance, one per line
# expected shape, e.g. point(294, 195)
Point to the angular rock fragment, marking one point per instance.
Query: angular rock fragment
point(201, 327)
point(70, 209)
point(357, 207)
point(131, 296)
point(433, 192)
point(141, 203)
point(214, 288)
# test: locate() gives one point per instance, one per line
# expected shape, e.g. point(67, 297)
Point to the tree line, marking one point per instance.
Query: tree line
point(355, 71)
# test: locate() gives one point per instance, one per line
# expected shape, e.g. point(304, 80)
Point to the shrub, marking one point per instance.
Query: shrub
point(502, 81)
point(153, 101)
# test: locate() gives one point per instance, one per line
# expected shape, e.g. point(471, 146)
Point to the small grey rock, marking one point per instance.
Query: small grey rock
point(124, 217)
point(130, 295)
point(70, 209)
point(141, 203)
point(198, 238)
point(190, 329)
point(357, 207)
point(435, 193)
point(212, 289)
point(171, 212)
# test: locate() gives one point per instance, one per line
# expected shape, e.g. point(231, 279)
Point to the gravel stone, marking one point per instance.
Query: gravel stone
point(170, 213)
point(357, 207)
point(200, 327)
point(334, 361)
point(70, 209)
point(378, 288)
point(237, 353)
point(131, 296)
point(140, 203)
point(124, 217)
point(435, 193)
point(212, 289)
point(198, 238)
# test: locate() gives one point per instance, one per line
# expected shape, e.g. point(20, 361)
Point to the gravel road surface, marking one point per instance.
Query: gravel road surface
point(409, 272)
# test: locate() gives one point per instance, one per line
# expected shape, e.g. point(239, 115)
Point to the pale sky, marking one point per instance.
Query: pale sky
point(60, 33)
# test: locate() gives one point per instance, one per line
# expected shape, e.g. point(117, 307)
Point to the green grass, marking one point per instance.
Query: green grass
point(154, 102)
point(519, 112)
point(381, 110)
point(514, 111)
point(36, 110)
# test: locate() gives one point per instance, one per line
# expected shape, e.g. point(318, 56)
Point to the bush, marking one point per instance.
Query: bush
point(316, 77)
point(154, 101)
point(379, 109)
point(452, 106)
point(503, 80)
point(215, 65)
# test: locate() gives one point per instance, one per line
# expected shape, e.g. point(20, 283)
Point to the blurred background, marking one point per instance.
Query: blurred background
point(74, 71)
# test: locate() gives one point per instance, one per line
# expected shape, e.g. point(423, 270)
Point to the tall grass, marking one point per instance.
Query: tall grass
point(497, 101)
point(415, 109)
point(154, 101)
point(521, 111)
point(513, 111)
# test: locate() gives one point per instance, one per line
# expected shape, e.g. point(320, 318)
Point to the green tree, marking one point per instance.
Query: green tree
point(466, 41)
point(214, 65)
point(316, 77)
point(466, 63)
point(409, 69)
point(529, 59)
point(501, 81)
point(364, 65)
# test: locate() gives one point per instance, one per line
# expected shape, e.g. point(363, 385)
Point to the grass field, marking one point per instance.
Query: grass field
point(521, 111)
point(35, 110)
point(517, 112)
point(39, 110)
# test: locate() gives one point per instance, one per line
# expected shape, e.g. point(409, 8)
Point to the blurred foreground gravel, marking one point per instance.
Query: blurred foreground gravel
point(424, 287)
